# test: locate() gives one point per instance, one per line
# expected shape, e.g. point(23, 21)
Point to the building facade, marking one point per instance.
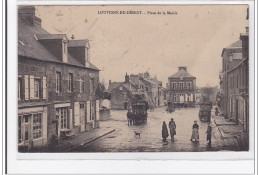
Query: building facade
point(231, 56)
point(234, 82)
point(56, 84)
point(182, 88)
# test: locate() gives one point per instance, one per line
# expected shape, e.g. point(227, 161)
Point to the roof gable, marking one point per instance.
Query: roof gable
point(181, 73)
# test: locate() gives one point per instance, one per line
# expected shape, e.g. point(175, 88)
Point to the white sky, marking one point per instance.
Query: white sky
point(194, 38)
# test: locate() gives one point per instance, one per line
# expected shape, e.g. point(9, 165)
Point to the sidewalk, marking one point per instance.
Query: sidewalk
point(66, 145)
point(220, 120)
point(230, 130)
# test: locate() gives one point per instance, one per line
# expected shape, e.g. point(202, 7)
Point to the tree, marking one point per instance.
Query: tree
point(209, 93)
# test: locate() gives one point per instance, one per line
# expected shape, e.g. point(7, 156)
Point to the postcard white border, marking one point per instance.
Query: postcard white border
point(234, 162)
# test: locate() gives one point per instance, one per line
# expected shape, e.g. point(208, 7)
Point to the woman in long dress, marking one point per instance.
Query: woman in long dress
point(165, 133)
point(195, 132)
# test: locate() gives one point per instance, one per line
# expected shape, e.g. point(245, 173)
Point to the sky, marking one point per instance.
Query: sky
point(157, 43)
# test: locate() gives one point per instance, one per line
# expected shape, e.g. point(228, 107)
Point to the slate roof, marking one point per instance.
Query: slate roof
point(29, 46)
point(236, 44)
point(182, 73)
point(78, 43)
point(50, 36)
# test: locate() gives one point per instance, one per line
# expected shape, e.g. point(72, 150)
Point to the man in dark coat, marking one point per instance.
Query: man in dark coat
point(209, 130)
point(172, 127)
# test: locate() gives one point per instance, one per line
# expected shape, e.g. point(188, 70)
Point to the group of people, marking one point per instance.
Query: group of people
point(172, 127)
point(195, 131)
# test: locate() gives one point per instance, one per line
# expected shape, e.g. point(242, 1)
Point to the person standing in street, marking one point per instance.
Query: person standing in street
point(165, 133)
point(129, 116)
point(209, 130)
point(195, 132)
point(216, 111)
point(172, 127)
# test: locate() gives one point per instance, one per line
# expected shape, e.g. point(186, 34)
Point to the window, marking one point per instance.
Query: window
point(63, 114)
point(37, 88)
point(81, 87)
point(181, 85)
point(58, 82)
point(230, 57)
point(92, 85)
point(237, 80)
point(25, 131)
point(70, 82)
point(37, 125)
point(174, 97)
point(174, 85)
point(19, 88)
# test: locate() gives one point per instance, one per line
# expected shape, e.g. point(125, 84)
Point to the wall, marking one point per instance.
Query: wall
point(66, 96)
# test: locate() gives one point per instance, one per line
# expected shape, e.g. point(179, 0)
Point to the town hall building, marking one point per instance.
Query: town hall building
point(182, 88)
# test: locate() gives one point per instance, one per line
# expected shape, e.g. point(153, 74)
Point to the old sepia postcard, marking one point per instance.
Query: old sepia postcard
point(133, 78)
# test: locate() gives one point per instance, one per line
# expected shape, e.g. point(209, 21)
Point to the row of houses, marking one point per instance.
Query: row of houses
point(233, 99)
point(180, 91)
point(56, 84)
point(137, 87)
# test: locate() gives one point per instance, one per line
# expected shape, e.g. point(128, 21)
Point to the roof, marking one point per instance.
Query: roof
point(235, 66)
point(78, 43)
point(236, 44)
point(181, 73)
point(50, 36)
point(113, 85)
point(29, 46)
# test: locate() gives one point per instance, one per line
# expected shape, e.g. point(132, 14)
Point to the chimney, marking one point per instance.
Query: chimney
point(182, 68)
point(126, 78)
point(28, 14)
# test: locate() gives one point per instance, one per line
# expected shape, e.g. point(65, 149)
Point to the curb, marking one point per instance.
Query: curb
point(91, 140)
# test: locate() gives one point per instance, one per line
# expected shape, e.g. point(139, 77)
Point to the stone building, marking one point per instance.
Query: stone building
point(56, 84)
point(124, 94)
point(234, 83)
point(182, 88)
point(231, 56)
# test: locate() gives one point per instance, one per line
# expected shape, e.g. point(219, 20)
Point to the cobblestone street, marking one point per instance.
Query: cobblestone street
point(124, 139)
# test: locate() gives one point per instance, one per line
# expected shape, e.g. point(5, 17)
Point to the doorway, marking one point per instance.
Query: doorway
point(125, 105)
point(82, 113)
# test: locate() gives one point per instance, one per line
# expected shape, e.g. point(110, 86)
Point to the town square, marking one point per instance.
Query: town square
point(94, 81)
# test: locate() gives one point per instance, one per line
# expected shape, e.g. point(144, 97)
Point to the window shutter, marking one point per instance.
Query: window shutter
point(70, 114)
point(31, 86)
point(88, 110)
point(26, 87)
point(44, 123)
point(44, 85)
point(97, 110)
point(76, 113)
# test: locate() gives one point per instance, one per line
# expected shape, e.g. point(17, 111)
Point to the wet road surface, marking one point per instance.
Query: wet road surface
point(125, 140)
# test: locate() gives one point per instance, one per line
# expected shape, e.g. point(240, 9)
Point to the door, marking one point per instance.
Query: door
point(82, 117)
point(24, 132)
point(125, 105)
